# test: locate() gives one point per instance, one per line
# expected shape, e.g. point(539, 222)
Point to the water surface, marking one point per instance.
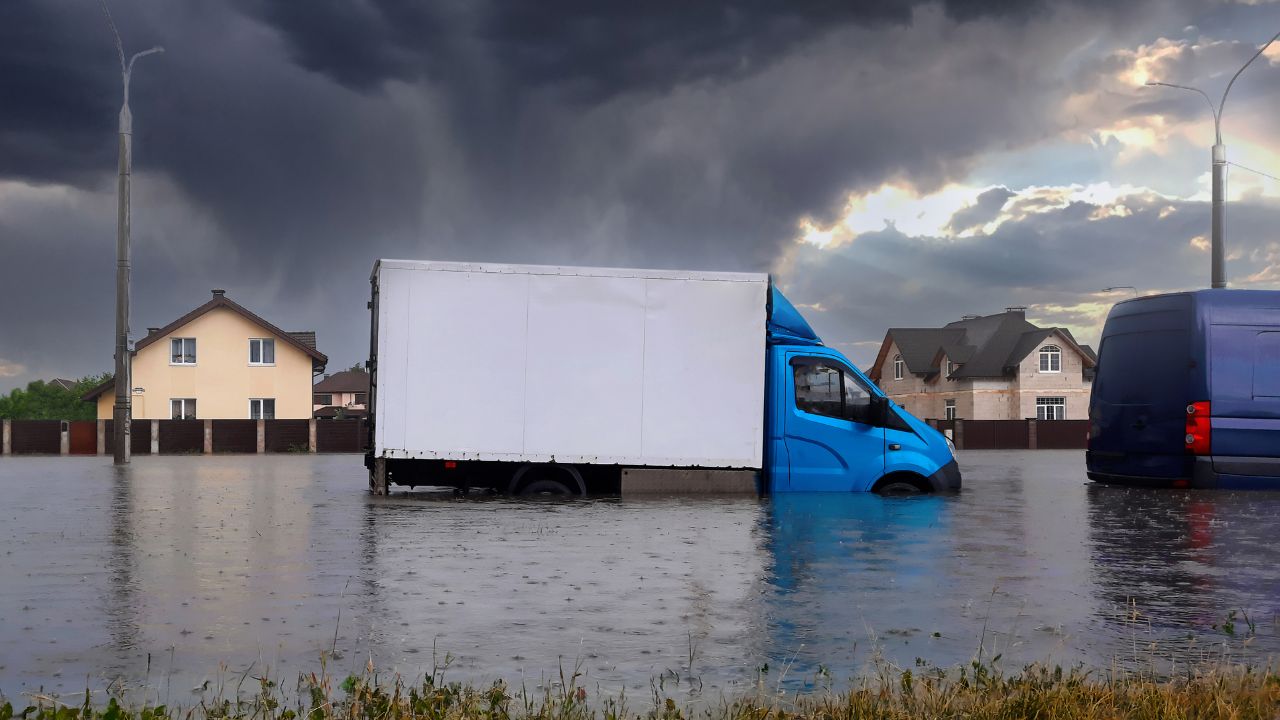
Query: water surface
point(175, 570)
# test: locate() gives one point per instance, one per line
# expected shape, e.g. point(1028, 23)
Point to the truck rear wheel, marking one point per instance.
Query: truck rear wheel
point(547, 479)
point(545, 487)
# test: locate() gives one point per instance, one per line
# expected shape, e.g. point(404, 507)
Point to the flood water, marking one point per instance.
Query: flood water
point(177, 570)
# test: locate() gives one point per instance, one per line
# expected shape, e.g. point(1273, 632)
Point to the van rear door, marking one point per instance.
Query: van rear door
point(1139, 397)
point(1244, 359)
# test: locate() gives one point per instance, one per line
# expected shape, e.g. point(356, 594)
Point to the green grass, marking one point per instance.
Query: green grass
point(974, 691)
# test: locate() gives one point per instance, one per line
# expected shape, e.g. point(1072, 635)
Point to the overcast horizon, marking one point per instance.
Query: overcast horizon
point(895, 164)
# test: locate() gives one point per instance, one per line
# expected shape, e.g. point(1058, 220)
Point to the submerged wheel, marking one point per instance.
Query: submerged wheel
point(898, 485)
point(545, 488)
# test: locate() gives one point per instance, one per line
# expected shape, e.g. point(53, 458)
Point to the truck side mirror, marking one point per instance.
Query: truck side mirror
point(878, 410)
point(874, 412)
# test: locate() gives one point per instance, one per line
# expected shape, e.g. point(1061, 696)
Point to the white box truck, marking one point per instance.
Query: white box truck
point(565, 380)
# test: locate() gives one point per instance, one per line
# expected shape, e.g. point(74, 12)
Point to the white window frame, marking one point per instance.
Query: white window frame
point(1051, 408)
point(1050, 359)
point(261, 346)
point(898, 367)
point(949, 411)
point(261, 409)
point(194, 408)
point(951, 367)
point(183, 355)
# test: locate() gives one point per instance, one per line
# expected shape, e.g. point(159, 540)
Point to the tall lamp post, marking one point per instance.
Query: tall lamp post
point(121, 412)
point(1219, 161)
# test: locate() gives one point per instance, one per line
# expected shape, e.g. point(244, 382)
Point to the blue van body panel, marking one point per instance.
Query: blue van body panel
point(807, 452)
point(1158, 355)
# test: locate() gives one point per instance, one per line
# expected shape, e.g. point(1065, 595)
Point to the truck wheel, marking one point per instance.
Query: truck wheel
point(547, 479)
point(545, 487)
point(901, 484)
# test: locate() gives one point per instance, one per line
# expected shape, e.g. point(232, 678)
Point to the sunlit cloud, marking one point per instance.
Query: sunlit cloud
point(11, 369)
point(894, 206)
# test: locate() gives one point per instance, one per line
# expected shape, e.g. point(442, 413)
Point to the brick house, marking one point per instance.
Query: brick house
point(993, 367)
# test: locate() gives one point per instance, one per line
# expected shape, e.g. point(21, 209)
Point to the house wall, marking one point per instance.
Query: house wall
point(1069, 384)
point(221, 381)
point(910, 392)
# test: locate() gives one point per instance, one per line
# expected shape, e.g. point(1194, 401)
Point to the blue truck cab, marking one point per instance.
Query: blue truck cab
point(1187, 392)
point(829, 428)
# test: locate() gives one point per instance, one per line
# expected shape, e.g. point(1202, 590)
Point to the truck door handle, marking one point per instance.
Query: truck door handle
point(895, 446)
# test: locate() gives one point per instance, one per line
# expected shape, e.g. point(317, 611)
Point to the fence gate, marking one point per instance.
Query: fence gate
point(84, 437)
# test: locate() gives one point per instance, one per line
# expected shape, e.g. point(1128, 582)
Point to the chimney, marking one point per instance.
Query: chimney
point(152, 331)
point(219, 292)
point(1017, 310)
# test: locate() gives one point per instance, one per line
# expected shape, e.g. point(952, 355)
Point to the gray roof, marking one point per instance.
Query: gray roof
point(345, 381)
point(985, 347)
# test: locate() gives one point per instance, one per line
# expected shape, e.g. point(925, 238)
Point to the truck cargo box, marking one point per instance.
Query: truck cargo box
point(537, 364)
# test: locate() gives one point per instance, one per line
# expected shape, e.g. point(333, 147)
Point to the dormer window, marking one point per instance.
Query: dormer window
point(951, 367)
point(899, 367)
point(1050, 359)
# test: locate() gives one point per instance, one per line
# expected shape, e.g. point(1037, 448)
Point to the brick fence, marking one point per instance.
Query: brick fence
point(189, 437)
point(1028, 434)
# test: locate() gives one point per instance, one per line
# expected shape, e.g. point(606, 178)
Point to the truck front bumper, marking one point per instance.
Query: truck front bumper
point(947, 478)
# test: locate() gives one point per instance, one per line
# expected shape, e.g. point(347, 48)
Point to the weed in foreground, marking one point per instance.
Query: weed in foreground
point(977, 690)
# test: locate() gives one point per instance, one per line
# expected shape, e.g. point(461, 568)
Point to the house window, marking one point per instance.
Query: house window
point(950, 367)
point(182, 351)
point(262, 351)
point(898, 367)
point(361, 398)
point(262, 408)
point(323, 399)
point(182, 408)
point(949, 409)
point(1051, 408)
point(1050, 359)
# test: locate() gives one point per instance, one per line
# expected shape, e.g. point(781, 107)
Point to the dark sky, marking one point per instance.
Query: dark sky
point(892, 163)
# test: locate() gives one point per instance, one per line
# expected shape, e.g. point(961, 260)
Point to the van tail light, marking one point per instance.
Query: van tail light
point(1199, 434)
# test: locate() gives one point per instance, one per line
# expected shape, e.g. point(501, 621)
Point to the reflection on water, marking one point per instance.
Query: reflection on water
point(157, 573)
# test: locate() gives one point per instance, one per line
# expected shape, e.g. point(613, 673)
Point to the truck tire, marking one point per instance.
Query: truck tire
point(901, 484)
point(547, 479)
point(546, 487)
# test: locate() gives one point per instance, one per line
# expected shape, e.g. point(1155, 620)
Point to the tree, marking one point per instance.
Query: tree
point(45, 401)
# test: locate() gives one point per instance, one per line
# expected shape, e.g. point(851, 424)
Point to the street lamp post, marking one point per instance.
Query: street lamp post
point(1219, 166)
point(121, 411)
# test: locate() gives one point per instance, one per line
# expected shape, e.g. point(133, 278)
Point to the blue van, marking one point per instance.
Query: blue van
point(1187, 392)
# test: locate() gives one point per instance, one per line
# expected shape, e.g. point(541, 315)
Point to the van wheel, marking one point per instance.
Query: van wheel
point(546, 488)
point(897, 485)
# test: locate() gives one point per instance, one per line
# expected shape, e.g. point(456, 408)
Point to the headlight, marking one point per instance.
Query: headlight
point(950, 445)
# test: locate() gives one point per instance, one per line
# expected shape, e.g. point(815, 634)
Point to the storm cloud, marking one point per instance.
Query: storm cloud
point(281, 147)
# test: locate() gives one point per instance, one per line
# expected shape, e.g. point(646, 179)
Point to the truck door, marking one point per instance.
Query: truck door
point(828, 450)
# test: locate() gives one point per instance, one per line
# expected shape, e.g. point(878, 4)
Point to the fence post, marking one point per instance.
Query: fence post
point(262, 436)
point(959, 434)
point(102, 437)
point(6, 444)
point(64, 438)
point(311, 435)
point(1032, 440)
point(155, 437)
point(208, 437)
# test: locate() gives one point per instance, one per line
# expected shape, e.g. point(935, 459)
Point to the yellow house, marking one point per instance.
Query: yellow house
point(219, 362)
